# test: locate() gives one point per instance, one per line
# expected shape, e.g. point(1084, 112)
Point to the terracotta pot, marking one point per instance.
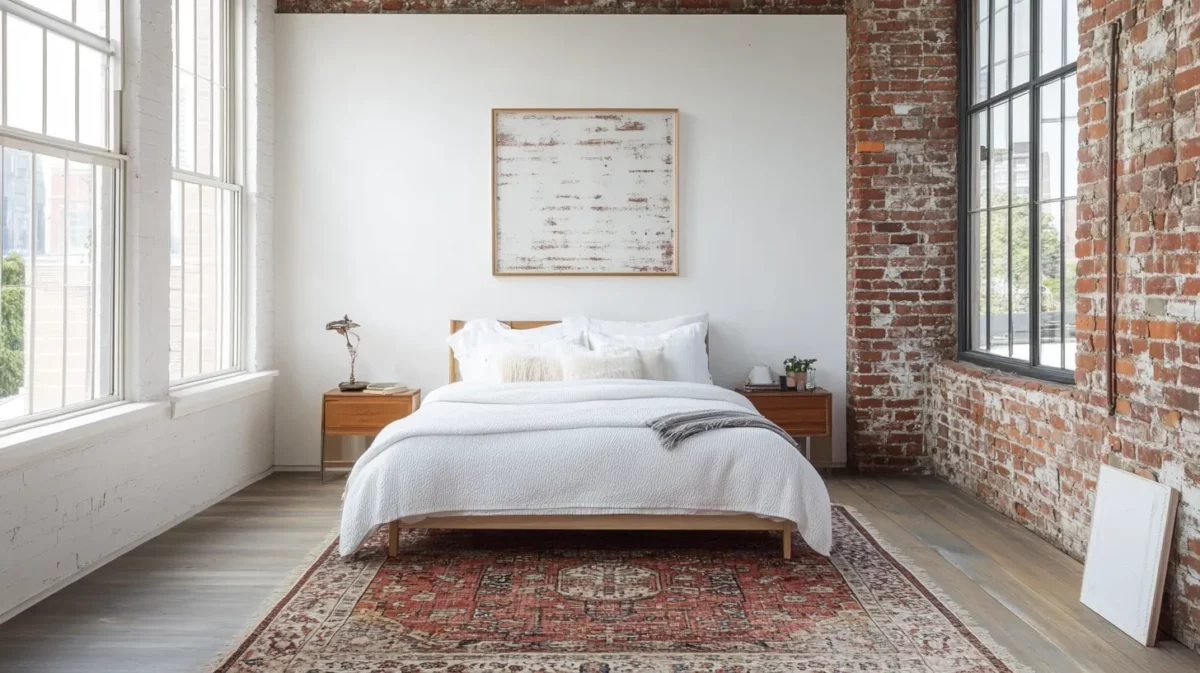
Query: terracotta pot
point(801, 380)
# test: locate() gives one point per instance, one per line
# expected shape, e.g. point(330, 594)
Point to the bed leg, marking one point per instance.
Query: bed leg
point(393, 539)
point(787, 541)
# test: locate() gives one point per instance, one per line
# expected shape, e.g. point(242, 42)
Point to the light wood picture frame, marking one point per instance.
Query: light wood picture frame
point(585, 192)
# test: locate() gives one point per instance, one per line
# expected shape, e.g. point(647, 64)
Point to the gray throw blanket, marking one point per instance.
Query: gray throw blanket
point(674, 428)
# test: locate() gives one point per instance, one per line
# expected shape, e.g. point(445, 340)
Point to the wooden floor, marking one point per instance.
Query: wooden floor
point(174, 602)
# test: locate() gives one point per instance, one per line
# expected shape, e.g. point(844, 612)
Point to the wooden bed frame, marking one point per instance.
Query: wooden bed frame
point(723, 522)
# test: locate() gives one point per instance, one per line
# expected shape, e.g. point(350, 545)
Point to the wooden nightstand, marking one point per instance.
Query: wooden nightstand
point(804, 413)
point(360, 414)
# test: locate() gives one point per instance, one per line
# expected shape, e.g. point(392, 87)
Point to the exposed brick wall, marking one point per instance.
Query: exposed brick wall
point(901, 220)
point(1033, 450)
point(562, 6)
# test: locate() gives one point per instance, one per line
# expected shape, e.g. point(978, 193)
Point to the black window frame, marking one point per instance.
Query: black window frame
point(966, 109)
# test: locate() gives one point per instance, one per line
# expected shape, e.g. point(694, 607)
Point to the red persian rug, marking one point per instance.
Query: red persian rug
point(609, 602)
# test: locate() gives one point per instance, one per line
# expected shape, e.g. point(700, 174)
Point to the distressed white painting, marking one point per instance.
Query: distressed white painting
point(585, 192)
point(1126, 561)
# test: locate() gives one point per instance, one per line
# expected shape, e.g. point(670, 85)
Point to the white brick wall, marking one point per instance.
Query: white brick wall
point(67, 511)
point(64, 515)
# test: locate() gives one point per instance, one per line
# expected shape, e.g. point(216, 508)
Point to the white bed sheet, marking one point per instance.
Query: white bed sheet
point(577, 447)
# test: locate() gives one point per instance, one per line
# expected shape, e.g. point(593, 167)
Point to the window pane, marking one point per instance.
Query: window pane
point(978, 292)
point(23, 60)
point(175, 287)
point(59, 8)
point(998, 282)
point(229, 255)
point(187, 122)
point(204, 149)
point(93, 97)
point(1020, 42)
point(2, 60)
point(60, 86)
point(1069, 263)
point(79, 291)
point(1050, 282)
point(1020, 282)
point(1000, 47)
point(1052, 35)
point(1021, 118)
point(1072, 33)
point(15, 281)
point(1071, 134)
point(91, 15)
point(982, 55)
point(999, 155)
point(191, 279)
point(204, 39)
point(186, 26)
point(56, 338)
point(209, 269)
point(218, 133)
point(201, 285)
point(49, 283)
point(219, 42)
point(1050, 141)
point(978, 158)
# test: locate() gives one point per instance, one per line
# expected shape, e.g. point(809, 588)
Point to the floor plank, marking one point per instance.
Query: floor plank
point(1091, 650)
point(171, 604)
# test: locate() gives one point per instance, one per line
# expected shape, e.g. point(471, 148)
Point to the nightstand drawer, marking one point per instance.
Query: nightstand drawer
point(365, 414)
point(797, 414)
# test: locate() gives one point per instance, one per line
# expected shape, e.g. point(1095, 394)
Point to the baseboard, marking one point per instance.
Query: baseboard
point(104, 560)
point(297, 468)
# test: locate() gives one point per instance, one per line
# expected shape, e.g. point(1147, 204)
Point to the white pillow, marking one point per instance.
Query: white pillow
point(654, 365)
point(623, 328)
point(610, 363)
point(517, 366)
point(683, 350)
point(494, 362)
point(469, 343)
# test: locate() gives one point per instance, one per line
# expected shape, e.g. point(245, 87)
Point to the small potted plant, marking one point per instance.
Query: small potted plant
point(798, 373)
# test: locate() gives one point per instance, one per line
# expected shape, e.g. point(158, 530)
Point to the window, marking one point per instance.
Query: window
point(205, 198)
point(1018, 154)
point(59, 207)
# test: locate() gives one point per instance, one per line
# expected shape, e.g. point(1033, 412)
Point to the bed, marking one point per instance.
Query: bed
point(578, 456)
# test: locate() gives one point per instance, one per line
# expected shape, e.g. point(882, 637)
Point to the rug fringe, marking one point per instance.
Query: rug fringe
point(921, 576)
point(268, 604)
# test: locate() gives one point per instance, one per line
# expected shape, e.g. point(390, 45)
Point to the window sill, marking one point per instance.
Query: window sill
point(189, 399)
point(1063, 376)
point(22, 446)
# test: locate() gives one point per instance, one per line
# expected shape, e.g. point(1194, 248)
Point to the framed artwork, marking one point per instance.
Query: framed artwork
point(585, 192)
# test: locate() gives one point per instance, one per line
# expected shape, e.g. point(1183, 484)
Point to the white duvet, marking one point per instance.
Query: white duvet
point(577, 447)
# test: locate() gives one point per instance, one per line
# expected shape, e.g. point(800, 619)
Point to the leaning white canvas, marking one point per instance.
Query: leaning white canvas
point(1127, 551)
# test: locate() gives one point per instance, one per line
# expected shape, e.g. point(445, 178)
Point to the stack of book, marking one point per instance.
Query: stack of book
point(760, 388)
point(385, 388)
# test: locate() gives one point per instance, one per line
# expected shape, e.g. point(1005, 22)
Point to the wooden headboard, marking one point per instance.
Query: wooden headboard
point(456, 325)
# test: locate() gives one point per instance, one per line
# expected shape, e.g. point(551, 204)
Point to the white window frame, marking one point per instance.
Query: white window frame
point(72, 150)
point(233, 170)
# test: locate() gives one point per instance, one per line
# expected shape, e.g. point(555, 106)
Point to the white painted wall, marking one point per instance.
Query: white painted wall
point(69, 506)
point(384, 187)
point(71, 511)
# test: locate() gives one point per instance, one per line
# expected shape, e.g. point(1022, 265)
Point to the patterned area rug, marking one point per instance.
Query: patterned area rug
point(609, 602)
